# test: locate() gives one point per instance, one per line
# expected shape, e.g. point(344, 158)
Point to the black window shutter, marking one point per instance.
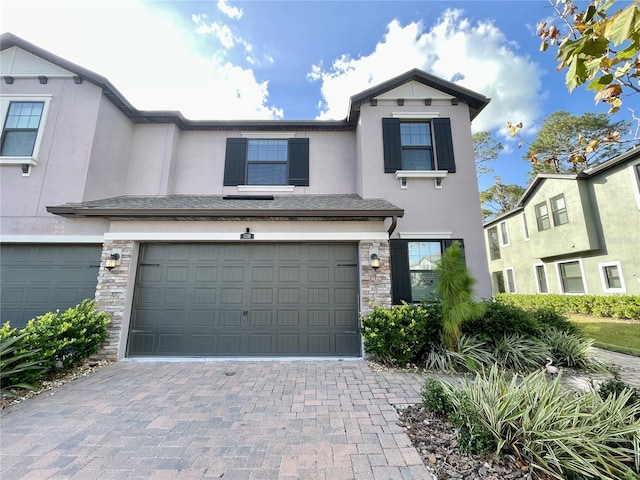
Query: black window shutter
point(299, 162)
point(444, 144)
point(234, 161)
point(392, 145)
point(400, 280)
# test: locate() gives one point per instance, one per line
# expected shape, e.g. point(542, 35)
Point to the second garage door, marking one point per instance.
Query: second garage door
point(294, 299)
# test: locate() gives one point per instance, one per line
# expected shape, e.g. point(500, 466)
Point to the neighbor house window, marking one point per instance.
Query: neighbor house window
point(571, 278)
point(417, 145)
point(541, 279)
point(414, 263)
point(542, 216)
point(22, 126)
point(559, 210)
point(504, 234)
point(611, 277)
point(267, 162)
point(498, 282)
point(511, 280)
point(494, 243)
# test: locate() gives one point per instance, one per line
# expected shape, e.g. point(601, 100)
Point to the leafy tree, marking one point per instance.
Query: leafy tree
point(499, 198)
point(485, 149)
point(456, 294)
point(597, 45)
point(568, 143)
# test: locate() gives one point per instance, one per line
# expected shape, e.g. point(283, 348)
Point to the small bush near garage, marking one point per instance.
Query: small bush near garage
point(616, 306)
point(61, 339)
point(400, 335)
point(16, 362)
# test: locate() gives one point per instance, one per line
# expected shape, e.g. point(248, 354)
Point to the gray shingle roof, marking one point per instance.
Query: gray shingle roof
point(209, 206)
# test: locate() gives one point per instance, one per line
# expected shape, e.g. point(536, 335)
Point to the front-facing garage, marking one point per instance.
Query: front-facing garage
point(245, 299)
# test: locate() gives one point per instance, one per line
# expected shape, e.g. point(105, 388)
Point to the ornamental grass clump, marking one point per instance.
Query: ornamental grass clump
point(559, 432)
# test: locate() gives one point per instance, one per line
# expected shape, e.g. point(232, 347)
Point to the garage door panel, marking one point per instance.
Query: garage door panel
point(143, 343)
point(149, 273)
point(247, 300)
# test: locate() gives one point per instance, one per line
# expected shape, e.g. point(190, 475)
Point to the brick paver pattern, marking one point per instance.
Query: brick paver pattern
point(327, 420)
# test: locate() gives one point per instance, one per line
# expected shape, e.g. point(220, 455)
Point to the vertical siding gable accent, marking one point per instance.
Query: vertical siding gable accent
point(299, 162)
point(444, 144)
point(400, 280)
point(235, 161)
point(392, 146)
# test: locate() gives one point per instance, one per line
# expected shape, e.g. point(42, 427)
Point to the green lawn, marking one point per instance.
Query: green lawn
point(611, 333)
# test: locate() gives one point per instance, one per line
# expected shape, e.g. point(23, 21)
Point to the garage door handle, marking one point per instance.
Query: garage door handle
point(347, 264)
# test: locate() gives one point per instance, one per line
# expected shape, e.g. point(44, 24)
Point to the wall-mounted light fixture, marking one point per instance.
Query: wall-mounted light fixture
point(43, 79)
point(111, 262)
point(375, 261)
point(26, 168)
point(247, 235)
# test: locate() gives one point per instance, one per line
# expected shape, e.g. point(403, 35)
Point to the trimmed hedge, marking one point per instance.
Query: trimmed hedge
point(616, 306)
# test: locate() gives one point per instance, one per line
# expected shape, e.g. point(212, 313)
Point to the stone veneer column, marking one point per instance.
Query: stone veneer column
point(375, 284)
point(111, 293)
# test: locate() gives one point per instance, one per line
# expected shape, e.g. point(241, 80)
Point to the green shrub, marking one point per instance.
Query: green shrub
point(436, 399)
point(469, 355)
point(64, 339)
point(15, 363)
point(616, 306)
point(500, 319)
point(616, 386)
point(397, 335)
point(7, 331)
point(547, 318)
point(559, 432)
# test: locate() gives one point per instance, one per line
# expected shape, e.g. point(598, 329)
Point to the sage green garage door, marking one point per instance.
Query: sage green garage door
point(36, 279)
point(294, 299)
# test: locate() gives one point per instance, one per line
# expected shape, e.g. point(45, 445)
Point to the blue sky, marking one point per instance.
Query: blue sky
point(303, 59)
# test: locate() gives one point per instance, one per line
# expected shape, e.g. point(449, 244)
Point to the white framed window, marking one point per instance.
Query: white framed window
point(504, 234)
point(23, 119)
point(571, 277)
point(542, 216)
point(525, 227)
point(494, 243)
point(540, 273)
point(611, 277)
point(510, 280)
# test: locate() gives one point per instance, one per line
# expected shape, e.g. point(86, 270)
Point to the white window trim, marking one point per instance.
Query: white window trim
point(416, 115)
point(268, 135)
point(603, 277)
point(635, 180)
point(266, 188)
point(5, 101)
point(559, 273)
point(546, 276)
point(525, 229)
point(507, 286)
point(506, 227)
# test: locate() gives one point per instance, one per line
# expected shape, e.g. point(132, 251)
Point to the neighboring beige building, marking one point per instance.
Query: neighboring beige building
point(571, 234)
point(228, 238)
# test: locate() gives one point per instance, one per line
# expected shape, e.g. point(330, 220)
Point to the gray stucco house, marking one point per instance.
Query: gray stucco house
point(571, 234)
point(228, 238)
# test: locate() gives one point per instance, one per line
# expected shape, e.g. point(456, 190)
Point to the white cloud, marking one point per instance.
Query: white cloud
point(478, 57)
point(151, 54)
point(231, 12)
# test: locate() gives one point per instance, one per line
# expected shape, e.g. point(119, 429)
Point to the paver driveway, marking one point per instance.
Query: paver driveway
point(226, 419)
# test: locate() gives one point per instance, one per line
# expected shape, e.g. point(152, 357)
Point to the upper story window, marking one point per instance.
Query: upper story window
point(525, 227)
point(23, 118)
point(559, 210)
point(418, 145)
point(494, 245)
point(267, 162)
point(504, 234)
point(542, 216)
point(417, 151)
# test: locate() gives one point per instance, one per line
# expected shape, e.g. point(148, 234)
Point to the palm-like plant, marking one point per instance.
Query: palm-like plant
point(15, 360)
point(456, 294)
